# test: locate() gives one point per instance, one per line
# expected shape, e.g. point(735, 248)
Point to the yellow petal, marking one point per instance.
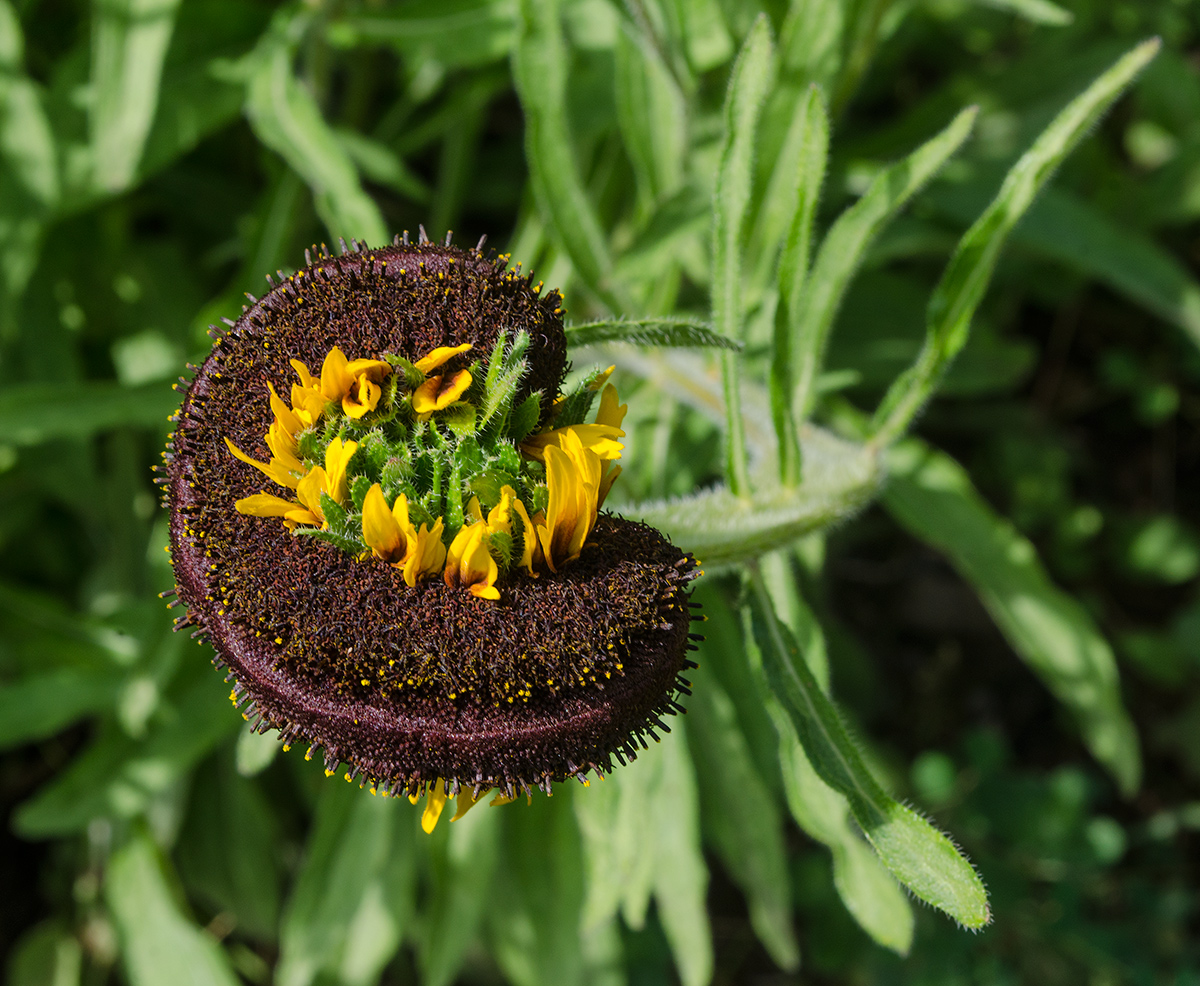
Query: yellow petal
point(309, 491)
point(362, 398)
point(308, 403)
point(306, 378)
point(285, 417)
point(467, 801)
point(434, 395)
point(337, 457)
point(602, 379)
point(606, 480)
point(611, 413)
point(439, 356)
point(335, 380)
point(380, 530)
point(434, 804)
point(500, 517)
point(529, 537)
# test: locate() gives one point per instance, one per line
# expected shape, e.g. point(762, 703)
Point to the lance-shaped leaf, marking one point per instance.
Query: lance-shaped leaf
point(129, 43)
point(844, 246)
point(969, 272)
point(917, 854)
point(540, 73)
point(742, 818)
point(286, 117)
point(672, 331)
point(932, 496)
point(339, 885)
point(810, 130)
point(159, 944)
point(652, 115)
point(723, 529)
point(748, 85)
point(875, 900)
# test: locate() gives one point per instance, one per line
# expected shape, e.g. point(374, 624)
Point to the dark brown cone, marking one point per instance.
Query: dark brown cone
point(413, 684)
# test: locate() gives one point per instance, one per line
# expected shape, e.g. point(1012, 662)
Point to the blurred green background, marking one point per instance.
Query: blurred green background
point(158, 157)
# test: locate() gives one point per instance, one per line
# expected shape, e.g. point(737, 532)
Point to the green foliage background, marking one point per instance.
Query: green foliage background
point(969, 596)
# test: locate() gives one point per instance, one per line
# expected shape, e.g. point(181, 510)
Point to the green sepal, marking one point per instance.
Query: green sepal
point(335, 513)
point(500, 544)
point(508, 458)
point(459, 417)
point(413, 378)
point(359, 487)
point(352, 546)
point(454, 499)
point(397, 470)
point(576, 405)
point(469, 457)
point(374, 450)
point(524, 418)
point(487, 486)
point(309, 446)
point(540, 497)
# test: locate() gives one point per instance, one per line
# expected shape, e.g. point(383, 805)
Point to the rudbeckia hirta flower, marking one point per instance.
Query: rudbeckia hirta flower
point(417, 578)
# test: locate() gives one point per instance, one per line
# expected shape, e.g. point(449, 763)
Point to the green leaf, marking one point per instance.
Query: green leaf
point(932, 496)
point(540, 73)
point(534, 912)
point(255, 751)
point(748, 86)
point(742, 818)
point(454, 33)
point(117, 777)
point(875, 900)
point(918, 855)
point(969, 272)
point(29, 169)
point(228, 850)
point(46, 955)
point(382, 165)
point(32, 413)
point(680, 874)
point(790, 199)
point(618, 858)
point(340, 883)
point(674, 331)
point(129, 43)
point(285, 116)
point(1035, 11)
point(721, 529)
point(41, 705)
point(463, 858)
point(652, 115)
point(641, 837)
point(844, 246)
point(869, 892)
point(1079, 235)
point(805, 153)
point(159, 944)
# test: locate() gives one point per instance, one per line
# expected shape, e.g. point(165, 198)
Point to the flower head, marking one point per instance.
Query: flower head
point(555, 634)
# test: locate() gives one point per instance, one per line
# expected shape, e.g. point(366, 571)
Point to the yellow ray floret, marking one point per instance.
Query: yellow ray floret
point(356, 383)
point(440, 356)
point(337, 458)
point(392, 537)
point(285, 469)
point(306, 509)
point(573, 475)
point(601, 436)
point(435, 802)
point(436, 393)
point(469, 563)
